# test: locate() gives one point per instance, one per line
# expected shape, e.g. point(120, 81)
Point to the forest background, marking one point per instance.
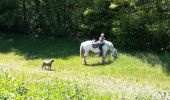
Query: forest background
point(130, 24)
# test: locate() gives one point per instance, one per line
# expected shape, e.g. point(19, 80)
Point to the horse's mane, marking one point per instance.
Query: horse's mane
point(108, 42)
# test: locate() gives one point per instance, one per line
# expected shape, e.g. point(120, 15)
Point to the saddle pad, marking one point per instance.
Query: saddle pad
point(95, 45)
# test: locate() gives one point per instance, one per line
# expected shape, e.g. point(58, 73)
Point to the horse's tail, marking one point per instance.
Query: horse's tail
point(81, 50)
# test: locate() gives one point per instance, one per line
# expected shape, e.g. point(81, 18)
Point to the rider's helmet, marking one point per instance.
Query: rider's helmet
point(102, 34)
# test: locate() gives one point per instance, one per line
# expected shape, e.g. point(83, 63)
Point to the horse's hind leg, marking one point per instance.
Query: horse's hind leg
point(85, 56)
point(42, 65)
point(85, 63)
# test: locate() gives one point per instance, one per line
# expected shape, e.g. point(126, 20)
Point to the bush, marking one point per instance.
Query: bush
point(18, 88)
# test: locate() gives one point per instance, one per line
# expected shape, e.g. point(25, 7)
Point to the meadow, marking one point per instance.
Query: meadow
point(137, 75)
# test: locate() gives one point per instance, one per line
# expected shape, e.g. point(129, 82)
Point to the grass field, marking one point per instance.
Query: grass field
point(133, 76)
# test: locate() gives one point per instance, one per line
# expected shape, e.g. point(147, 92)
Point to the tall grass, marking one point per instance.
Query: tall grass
point(17, 87)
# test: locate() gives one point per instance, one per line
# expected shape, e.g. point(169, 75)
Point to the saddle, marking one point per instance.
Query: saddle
point(95, 44)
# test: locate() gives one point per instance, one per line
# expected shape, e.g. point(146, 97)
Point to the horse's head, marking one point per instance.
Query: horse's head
point(114, 53)
point(113, 50)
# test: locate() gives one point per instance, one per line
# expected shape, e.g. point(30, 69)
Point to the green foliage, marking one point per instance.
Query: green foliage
point(145, 27)
point(113, 6)
point(11, 88)
point(8, 14)
point(97, 18)
point(132, 24)
point(41, 16)
point(17, 87)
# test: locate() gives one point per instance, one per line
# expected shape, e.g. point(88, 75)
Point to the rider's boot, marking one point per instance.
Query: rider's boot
point(100, 54)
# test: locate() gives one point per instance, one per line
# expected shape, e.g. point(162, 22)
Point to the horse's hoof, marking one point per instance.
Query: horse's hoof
point(84, 63)
point(115, 58)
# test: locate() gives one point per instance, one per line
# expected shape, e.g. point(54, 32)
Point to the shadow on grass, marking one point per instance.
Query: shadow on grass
point(99, 64)
point(96, 64)
point(32, 47)
point(154, 59)
point(52, 70)
point(92, 57)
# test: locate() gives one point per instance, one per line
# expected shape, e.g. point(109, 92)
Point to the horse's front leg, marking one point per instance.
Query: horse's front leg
point(103, 57)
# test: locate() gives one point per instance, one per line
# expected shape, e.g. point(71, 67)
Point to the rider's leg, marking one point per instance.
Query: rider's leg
point(100, 48)
point(101, 54)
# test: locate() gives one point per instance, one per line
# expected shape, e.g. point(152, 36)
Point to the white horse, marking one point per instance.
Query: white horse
point(86, 46)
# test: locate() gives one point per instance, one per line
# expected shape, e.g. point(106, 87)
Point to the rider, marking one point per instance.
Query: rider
point(101, 40)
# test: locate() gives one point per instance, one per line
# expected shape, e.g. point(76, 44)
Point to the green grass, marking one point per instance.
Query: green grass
point(134, 75)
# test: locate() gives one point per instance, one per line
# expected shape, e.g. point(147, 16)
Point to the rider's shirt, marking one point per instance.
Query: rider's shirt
point(101, 39)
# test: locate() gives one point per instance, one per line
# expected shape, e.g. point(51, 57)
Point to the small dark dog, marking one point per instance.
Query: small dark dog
point(48, 64)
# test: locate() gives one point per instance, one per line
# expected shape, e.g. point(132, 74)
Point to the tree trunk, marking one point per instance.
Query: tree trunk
point(24, 10)
point(37, 6)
